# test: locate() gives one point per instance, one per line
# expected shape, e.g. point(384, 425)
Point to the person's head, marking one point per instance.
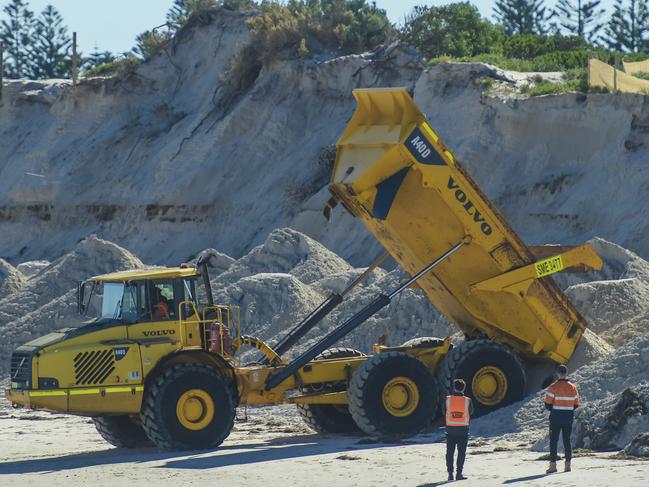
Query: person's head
point(459, 385)
point(562, 371)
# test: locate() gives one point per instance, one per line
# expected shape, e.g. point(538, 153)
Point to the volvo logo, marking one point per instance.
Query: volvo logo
point(158, 333)
point(469, 207)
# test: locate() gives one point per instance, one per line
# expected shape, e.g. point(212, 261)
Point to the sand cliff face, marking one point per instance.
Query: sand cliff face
point(185, 153)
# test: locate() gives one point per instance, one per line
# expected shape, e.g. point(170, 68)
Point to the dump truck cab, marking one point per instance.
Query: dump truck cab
point(137, 320)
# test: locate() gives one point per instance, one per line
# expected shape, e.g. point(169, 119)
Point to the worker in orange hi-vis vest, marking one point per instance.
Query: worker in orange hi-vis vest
point(561, 399)
point(458, 410)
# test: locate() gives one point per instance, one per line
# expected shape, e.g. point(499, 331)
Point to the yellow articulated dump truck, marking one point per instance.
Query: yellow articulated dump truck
point(157, 365)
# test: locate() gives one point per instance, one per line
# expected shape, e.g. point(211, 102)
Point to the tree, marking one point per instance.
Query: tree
point(16, 35)
point(178, 14)
point(150, 42)
point(97, 58)
point(52, 47)
point(356, 24)
point(456, 29)
point(523, 16)
point(628, 27)
point(580, 17)
point(349, 25)
point(182, 10)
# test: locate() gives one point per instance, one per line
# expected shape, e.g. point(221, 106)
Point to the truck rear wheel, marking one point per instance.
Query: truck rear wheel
point(494, 375)
point(121, 431)
point(329, 418)
point(188, 407)
point(392, 395)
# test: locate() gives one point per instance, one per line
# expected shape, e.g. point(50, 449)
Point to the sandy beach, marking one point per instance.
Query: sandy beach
point(272, 447)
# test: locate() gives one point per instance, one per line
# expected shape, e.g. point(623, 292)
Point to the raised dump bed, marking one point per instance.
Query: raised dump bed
point(395, 173)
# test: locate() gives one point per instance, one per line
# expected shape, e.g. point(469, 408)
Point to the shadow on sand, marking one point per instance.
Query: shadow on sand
point(225, 455)
point(525, 479)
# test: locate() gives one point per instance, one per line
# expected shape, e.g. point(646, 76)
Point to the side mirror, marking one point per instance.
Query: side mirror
point(81, 288)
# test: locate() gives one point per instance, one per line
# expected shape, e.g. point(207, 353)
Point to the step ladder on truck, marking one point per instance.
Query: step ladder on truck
point(176, 382)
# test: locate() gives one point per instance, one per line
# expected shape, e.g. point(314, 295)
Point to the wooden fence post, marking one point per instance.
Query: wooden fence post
point(1, 67)
point(74, 59)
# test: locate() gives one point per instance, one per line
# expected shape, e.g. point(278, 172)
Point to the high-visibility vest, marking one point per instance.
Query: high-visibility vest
point(457, 410)
point(562, 395)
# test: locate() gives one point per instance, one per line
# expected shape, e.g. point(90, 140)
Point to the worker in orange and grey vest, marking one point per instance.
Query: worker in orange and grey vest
point(561, 399)
point(458, 410)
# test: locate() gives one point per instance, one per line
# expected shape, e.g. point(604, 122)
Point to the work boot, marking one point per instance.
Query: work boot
point(459, 476)
point(552, 468)
point(450, 476)
point(567, 467)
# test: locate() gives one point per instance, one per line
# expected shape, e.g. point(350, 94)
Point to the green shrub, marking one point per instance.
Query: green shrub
point(104, 69)
point(530, 46)
point(150, 43)
point(121, 67)
point(348, 25)
point(440, 59)
point(456, 29)
point(561, 60)
point(549, 88)
point(641, 75)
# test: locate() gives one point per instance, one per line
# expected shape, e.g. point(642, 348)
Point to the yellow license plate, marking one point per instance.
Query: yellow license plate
point(548, 266)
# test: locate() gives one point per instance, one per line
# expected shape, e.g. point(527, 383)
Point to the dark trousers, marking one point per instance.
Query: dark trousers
point(565, 430)
point(451, 443)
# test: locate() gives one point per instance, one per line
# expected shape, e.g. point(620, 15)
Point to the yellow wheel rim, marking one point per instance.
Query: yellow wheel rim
point(195, 409)
point(489, 385)
point(400, 396)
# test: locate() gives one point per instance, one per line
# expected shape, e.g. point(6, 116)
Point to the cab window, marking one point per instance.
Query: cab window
point(129, 310)
point(161, 299)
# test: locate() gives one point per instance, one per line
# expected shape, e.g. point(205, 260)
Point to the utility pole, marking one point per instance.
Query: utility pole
point(1, 67)
point(74, 59)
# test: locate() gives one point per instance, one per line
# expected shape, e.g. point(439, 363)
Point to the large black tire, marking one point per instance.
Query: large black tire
point(471, 359)
point(194, 384)
point(369, 386)
point(122, 431)
point(427, 342)
point(329, 418)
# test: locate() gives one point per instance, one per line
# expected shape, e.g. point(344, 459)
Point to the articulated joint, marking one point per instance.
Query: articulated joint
point(272, 356)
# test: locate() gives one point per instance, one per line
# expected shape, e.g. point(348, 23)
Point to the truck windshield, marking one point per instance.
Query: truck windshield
point(111, 305)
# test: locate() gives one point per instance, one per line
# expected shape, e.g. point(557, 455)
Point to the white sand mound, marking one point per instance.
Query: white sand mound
point(32, 267)
point(11, 279)
point(271, 303)
point(287, 251)
point(614, 301)
point(218, 262)
point(278, 283)
point(46, 301)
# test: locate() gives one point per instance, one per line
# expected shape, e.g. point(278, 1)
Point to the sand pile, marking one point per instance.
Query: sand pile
point(613, 300)
point(287, 251)
point(279, 282)
point(11, 279)
point(32, 267)
point(46, 301)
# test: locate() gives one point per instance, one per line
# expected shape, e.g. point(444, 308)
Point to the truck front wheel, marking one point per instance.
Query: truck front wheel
point(121, 431)
point(188, 407)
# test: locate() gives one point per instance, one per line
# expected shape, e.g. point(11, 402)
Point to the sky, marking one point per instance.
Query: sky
point(112, 25)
